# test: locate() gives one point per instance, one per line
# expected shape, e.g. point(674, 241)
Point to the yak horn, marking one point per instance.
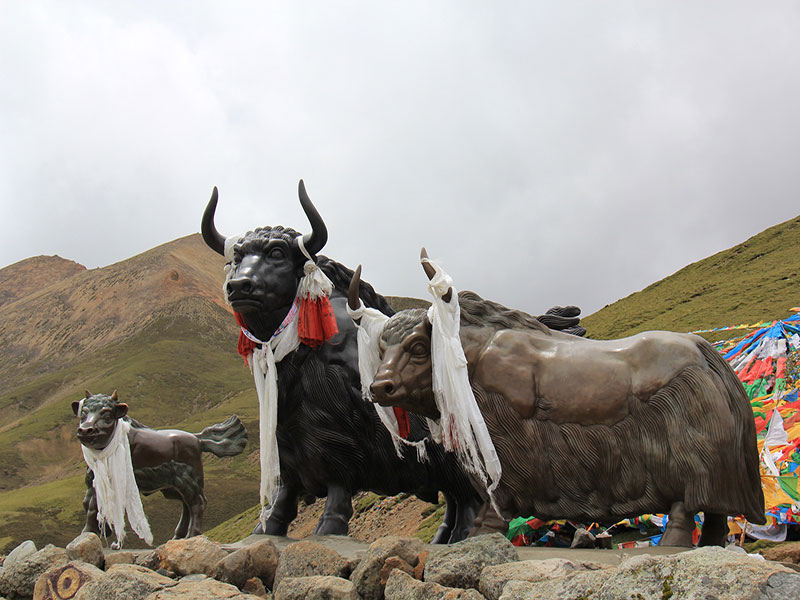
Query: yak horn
point(213, 238)
point(88, 394)
point(315, 240)
point(353, 301)
point(114, 395)
point(430, 271)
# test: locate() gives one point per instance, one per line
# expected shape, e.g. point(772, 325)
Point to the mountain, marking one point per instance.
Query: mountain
point(751, 282)
point(155, 328)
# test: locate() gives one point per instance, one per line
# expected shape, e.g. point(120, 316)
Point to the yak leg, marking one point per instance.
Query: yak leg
point(488, 521)
point(335, 519)
point(197, 509)
point(284, 511)
point(679, 527)
point(443, 533)
point(466, 511)
point(183, 524)
point(90, 506)
point(715, 530)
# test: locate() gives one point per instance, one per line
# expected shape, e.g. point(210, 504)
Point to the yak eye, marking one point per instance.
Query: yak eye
point(275, 253)
point(419, 349)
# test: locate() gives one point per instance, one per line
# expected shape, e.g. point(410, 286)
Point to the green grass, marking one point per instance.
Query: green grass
point(754, 281)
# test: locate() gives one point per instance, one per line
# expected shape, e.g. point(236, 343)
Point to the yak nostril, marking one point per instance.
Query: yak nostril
point(382, 388)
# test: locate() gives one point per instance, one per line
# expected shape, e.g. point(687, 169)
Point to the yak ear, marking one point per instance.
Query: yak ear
point(88, 394)
point(75, 405)
point(120, 410)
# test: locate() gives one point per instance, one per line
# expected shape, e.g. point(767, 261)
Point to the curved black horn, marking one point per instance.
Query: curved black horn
point(430, 272)
point(315, 240)
point(353, 300)
point(213, 238)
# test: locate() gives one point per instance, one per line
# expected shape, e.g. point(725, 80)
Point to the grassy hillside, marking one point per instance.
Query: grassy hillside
point(753, 281)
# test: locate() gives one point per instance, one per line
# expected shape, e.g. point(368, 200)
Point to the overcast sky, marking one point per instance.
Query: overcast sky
point(547, 152)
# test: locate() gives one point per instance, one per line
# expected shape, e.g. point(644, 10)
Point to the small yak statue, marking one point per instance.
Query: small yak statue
point(167, 460)
point(590, 430)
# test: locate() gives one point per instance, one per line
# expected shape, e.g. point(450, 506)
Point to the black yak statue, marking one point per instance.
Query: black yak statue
point(331, 443)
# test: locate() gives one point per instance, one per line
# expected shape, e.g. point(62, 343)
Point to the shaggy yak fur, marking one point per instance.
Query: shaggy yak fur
point(331, 442)
point(575, 438)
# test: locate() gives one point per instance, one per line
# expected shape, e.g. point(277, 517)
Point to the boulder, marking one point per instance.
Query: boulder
point(494, 578)
point(26, 548)
point(789, 553)
point(582, 539)
point(306, 559)
point(401, 586)
point(19, 578)
point(200, 588)
point(87, 548)
point(132, 582)
point(120, 557)
point(367, 576)
point(460, 565)
point(62, 583)
point(256, 587)
point(257, 560)
point(323, 587)
point(710, 572)
point(190, 555)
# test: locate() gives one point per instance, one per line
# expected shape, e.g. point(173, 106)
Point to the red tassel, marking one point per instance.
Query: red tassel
point(245, 346)
point(402, 421)
point(316, 321)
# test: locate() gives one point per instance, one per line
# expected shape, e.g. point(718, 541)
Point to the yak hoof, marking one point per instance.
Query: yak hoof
point(442, 535)
point(332, 525)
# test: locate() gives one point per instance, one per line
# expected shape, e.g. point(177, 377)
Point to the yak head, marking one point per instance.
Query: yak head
point(97, 418)
point(405, 376)
point(266, 265)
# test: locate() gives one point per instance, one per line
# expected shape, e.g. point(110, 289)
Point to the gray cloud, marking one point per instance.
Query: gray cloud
point(547, 152)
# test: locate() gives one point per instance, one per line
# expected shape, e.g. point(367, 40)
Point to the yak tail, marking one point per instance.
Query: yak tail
point(742, 411)
point(224, 439)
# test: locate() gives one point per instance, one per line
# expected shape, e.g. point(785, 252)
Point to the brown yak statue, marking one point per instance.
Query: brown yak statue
point(587, 430)
point(165, 460)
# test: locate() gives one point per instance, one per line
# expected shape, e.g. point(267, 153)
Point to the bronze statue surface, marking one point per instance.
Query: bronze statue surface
point(593, 430)
point(165, 460)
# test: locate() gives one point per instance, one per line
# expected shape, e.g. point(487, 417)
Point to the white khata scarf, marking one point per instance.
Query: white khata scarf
point(115, 485)
point(370, 322)
point(463, 429)
point(262, 363)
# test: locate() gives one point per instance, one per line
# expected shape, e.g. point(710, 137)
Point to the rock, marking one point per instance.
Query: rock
point(255, 587)
point(325, 587)
point(257, 560)
point(367, 575)
point(401, 586)
point(419, 570)
point(460, 564)
point(306, 558)
point(26, 548)
point(20, 577)
point(582, 539)
point(148, 559)
point(784, 553)
point(494, 578)
point(132, 582)
point(394, 562)
point(87, 548)
point(190, 555)
point(120, 557)
point(200, 588)
point(702, 573)
point(62, 583)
